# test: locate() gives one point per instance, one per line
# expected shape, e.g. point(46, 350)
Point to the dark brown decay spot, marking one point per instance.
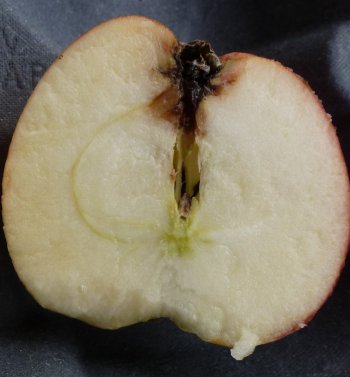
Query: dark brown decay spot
point(196, 65)
point(191, 76)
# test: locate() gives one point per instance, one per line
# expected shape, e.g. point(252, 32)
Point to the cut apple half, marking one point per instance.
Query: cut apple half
point(149, 178)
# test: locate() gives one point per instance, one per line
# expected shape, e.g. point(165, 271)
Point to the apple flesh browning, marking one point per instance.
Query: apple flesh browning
point(97, 230)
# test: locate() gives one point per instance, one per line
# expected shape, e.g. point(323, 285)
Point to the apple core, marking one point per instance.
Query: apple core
point(196, 66)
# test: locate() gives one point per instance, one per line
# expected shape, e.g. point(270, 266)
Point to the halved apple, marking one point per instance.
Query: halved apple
point(149, 178)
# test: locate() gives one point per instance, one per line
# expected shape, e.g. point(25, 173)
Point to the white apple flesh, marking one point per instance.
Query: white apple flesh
point(96, 231)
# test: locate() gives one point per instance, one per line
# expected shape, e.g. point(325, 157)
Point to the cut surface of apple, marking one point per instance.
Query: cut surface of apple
point(148, 178)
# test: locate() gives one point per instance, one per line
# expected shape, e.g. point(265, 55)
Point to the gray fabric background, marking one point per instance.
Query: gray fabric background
point(313, 38)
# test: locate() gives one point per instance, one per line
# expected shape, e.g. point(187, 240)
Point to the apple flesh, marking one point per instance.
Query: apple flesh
point(148, 178)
